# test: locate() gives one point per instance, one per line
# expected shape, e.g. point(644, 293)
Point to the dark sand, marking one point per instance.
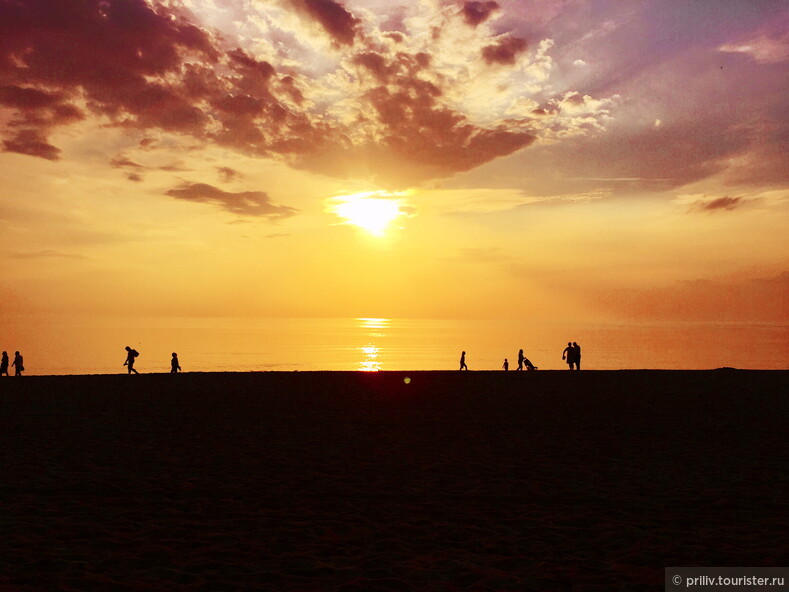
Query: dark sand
point(351, 481)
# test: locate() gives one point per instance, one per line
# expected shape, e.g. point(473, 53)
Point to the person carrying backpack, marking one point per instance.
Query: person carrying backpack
point(131, 355)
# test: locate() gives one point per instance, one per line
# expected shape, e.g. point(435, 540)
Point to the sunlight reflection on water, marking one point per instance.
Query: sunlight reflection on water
point(375, 330)
point(370, 363)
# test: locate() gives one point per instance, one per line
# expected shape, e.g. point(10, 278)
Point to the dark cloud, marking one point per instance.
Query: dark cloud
point(395, 36)
point(340, 24)
point(176, 167)
point(27, 98)
point(146, 67)
point(107, 53)
point(476, 13)
point(721, 203)
point(288, 85)
point(505, 52)
point(247, 203)
point(122, 161)
point(32, 143)
point(375, 63)
point(136, 66)
point(35, 113)
point(261, 69)
point(227, 174)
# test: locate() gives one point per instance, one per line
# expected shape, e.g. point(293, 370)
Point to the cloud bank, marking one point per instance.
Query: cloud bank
point(400, 97)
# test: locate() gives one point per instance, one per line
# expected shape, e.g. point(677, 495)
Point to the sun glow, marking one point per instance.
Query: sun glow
point(372, 211)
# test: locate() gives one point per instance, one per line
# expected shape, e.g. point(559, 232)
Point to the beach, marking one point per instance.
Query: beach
point(547, 480)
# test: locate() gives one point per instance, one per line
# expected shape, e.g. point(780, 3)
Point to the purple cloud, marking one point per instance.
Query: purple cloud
point(505, 52)
point(476, 13)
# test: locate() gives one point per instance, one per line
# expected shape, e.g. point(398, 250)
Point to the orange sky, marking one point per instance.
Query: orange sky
point(600, 161)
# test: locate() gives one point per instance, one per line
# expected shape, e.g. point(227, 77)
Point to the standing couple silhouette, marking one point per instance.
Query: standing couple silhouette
point(572, 353)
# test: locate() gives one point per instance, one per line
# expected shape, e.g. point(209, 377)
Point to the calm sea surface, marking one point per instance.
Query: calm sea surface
point(55, 345)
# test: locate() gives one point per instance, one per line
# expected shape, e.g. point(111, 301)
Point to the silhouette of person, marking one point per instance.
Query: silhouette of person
point(577, 352)
point(528, 364)
point(520, 359)
point(463, 361)
point(131, 354)
point(4, 364)
point(18, 363)
point(506, 365)
point(569, 355)
point(174, 365)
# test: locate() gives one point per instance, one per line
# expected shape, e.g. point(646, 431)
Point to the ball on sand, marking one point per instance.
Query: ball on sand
point(407, 380)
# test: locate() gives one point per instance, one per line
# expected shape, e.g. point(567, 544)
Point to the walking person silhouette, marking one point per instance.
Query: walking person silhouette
point(520, 359)
point(131, 354)
point(19, 364)
point(577, 351)
point(174, 365)
point(506, 365)
point(4, 364)
point(463, 361)
point(569, 355)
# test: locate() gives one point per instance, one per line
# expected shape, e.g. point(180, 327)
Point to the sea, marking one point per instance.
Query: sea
point(58, 345)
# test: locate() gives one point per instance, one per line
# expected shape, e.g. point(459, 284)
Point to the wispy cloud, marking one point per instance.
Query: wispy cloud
point(46, 254)
point(712, 203)
point(227, 174)
point(246, 203)
point(763, 49)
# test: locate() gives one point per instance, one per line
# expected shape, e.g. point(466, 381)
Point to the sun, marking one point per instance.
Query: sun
point(373, 212)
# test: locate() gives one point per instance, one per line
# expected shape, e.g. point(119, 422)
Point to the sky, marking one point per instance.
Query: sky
point(588, 160)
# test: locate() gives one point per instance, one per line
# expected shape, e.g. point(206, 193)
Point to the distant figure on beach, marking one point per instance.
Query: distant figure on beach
point(528, 364)
point(19, 364)
point(174, 365)
point(463, 361)
point(4, 364)
point(506, 365)
point(577, 349)
point(131, 354)
point(569, 355)
point(520, 359)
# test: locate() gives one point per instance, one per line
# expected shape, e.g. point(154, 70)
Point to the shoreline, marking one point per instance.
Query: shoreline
point(420, 372)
